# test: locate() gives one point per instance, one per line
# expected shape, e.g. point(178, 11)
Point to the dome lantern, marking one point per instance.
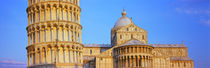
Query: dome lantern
point(123, 13)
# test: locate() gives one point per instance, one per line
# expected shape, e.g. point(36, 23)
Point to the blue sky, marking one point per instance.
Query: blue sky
point(166, 21)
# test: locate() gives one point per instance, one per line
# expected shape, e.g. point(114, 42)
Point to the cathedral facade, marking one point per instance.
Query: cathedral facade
point(54, 41)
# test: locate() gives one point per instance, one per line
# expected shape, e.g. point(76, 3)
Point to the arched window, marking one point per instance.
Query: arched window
point(131, 36)
point(40, 57)
point(51, 35)
point(127, 50)
point(63, 34)
point(90, 51)
point(184, 64)
point(61, 14)
point(31, 39)
point(143, 37)
point(34, 39)
point(78, 38)
point(34, 19)
point(68, 35)
point(72, 36)
point(64, 54)
point(75, 37)
point(120, 36)
point(45, 35)
point(39, 36)
point(67, 17)
point(127, 29)
point(34, 60)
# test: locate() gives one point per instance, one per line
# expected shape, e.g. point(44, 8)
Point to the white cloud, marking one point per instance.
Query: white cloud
point(195, 11)
point(207, 22)
point(12, 64)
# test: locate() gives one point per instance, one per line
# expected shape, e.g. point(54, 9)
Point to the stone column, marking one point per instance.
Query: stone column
point(53, 55)
point(123, 62)
point(81, 57)
point(53, 34)
point(42, 14)
point(37, 57)
point(134, 61)
point(32, 58)
point(76, 36)
point(142, 50)
point(72, 13)
point(60, 33)
point(66, 51)
point(47, 34)
point(137, 61)
point(146, 66)
point(36, 14)
point(65, 34)
point(68, 14)
point(42, 56)
point(64, 14)
point(80, 37)
point(70, 35)
point(28, 58)
point(41, 34)
point(118, 62)
point(32, 37)
point(32, 17)
point(126, 60)
point(60, 55)
point(131, 62)
point(192, 63)
point(73, 36)
point(76, 16)
point(29, 18)
point(143, 61)
point(71, 53)
point(79, 17)
point(48, 55)
point(75, 55)
point(29, 38)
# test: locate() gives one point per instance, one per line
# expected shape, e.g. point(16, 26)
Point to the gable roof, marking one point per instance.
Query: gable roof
point(133, 42)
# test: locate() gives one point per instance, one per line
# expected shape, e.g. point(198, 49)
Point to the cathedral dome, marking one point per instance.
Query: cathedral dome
point(123, 21)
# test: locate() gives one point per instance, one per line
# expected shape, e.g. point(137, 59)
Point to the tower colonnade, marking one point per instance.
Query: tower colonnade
point(52, 11)
point(50, 54)
point(54, 34)
point(31, 2)
point(48, 32)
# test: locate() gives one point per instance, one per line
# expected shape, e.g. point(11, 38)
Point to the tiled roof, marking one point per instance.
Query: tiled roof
point(97, 45)
point(168, 45)
point(180, 58)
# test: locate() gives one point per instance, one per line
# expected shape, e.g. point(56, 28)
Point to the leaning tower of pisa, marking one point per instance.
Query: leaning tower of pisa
point(54, 34)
